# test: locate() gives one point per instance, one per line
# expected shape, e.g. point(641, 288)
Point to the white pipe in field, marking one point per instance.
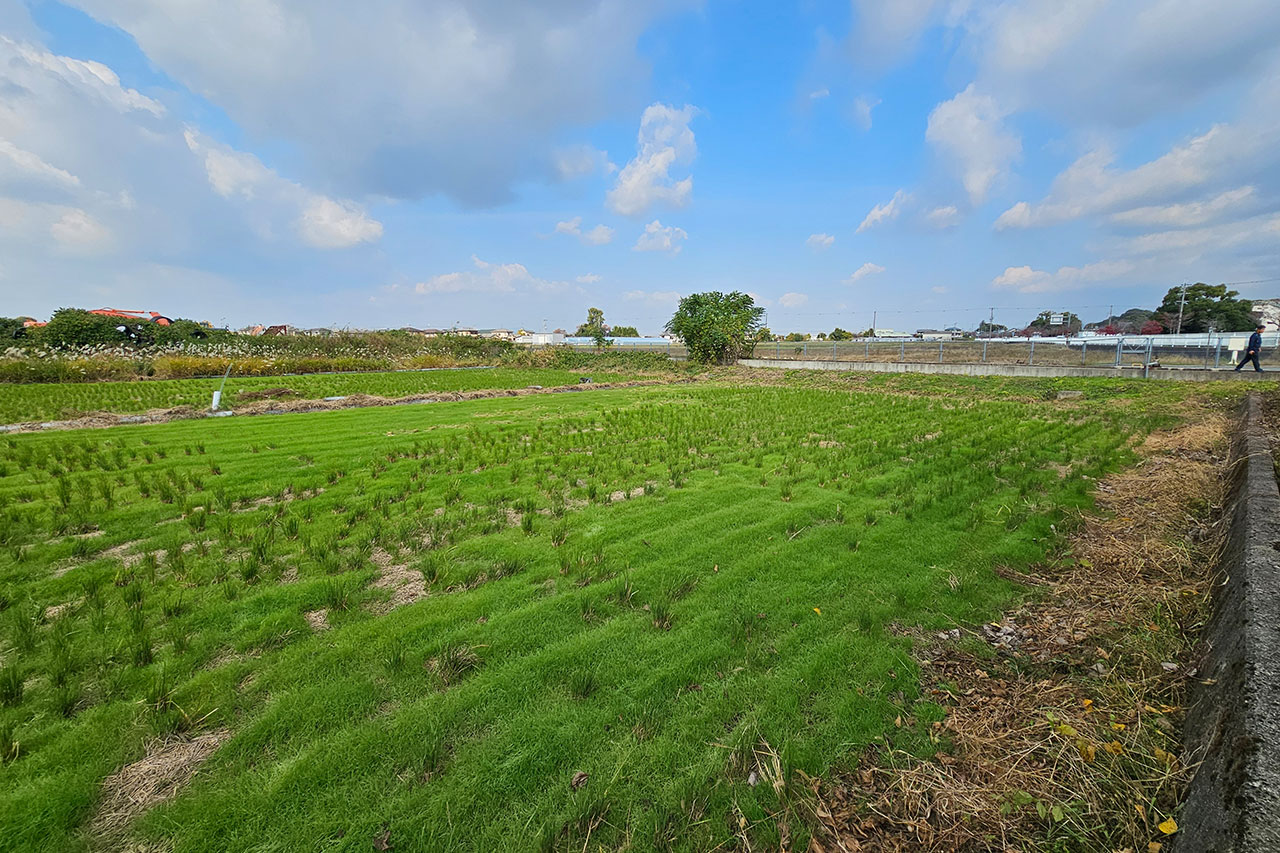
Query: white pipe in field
point(217, 400)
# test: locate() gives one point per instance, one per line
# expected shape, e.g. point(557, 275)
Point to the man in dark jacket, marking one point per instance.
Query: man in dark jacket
point(1251, 351)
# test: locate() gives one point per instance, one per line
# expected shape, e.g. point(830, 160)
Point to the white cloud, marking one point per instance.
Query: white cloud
point(660, 238)
point(654, 298)
point(78, 231)
point(867, 269)
point(489, 278)
point(969, 129)
point(1024, 279)
point(885, 32)
point(1090, 185)
point(26, 164)
point(1186, 215)
point(861, 110)
point(665, 140)
point(597, 236)
point(819, 94)
point(792, 300)
point(319, 221)
point(589, 278)
point(884, 212)
point(578, 161)
point(943, 217)
point(1190, 243)
point(938, 289)
point(471, 97)
point(819, 242)
point(329, 224)
point(89, 77)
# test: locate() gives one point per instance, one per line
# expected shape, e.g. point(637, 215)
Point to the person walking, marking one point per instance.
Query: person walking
point(1251, 351)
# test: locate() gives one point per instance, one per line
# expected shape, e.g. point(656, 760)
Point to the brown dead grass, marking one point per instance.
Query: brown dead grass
point(153, 779)
point(1068, 730)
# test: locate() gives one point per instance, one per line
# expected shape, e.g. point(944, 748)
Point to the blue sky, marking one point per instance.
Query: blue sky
point(500, 163)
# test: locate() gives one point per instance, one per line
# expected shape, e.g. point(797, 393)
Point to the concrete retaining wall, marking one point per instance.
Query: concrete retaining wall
point(1183, 375)
point(1233, 723)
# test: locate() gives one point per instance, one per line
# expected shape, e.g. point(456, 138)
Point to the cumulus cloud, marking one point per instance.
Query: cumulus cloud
point(867, 269)
point(884, 212)
point(470, 96)
point(970, 131)
point(861, 111)
point(596, 236)
point(819, 94)
point(1092, 185)
point(488, 277)
point(78, 231)
point(792, 300)
point(1189, 214)
point(943, 217)
point(579, 161)
point(18, 166)
point(653, 298)
point(589, 278)
point(818, 242)
point(318, 221)
point(660, 238)
point(1024, 279)
point(665, 141)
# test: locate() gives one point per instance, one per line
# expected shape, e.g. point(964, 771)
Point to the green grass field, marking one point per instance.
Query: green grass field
point(684, 592)
point(42, 402)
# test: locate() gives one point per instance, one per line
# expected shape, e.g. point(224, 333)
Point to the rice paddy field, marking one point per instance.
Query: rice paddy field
point(50, 401)
point(626, 619)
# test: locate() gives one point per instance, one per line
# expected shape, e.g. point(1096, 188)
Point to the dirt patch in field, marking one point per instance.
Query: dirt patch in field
point(153, 779)
point(100, 420)
point(317, 620)
point(405, 584)
point(1063, 721)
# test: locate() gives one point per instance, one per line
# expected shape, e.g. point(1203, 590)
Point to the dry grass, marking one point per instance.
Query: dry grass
point(1063, 723)
point(406, 584)
point(156, 777)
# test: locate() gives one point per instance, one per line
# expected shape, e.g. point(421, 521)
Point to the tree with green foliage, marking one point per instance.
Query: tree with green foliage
point(796, 337)
point(1208, 306)
point(625, 332)
point(12, 327)
point(717, 327)
point(839, 334)
point(1069, 325)
point(985, 328)
point(595, 323)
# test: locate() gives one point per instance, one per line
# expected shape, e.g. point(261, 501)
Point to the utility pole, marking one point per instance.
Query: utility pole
point(1111, 314)
point(873, 323)
point(1181, 304)
point(991, 323)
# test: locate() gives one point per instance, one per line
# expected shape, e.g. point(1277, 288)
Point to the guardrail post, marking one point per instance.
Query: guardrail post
point(1217, 353)
point(1146, 361)
point(806, 349)
point(1084, 352)
point(902, 352)
point(939, 352)
point(1032, 358)
point(1119, 347)
point(866, 350)
point(833, 351)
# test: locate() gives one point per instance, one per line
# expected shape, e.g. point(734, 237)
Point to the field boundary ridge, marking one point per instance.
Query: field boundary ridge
point(1026, 370)
point(1233, 722)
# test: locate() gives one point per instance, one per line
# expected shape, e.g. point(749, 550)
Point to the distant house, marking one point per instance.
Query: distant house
point(937, 334)
point(541, 339)
point(463, 332)
point(498, 334)
point(890, 333)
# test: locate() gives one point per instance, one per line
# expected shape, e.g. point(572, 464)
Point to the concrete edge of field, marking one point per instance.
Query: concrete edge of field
point(1233, 722)
point(1025, 370)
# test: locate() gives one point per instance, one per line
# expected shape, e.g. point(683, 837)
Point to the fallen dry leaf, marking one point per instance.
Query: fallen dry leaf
point(579, 779)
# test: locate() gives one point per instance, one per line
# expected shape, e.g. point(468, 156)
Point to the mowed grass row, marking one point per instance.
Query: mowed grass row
point(685, 593)
point(42, 402)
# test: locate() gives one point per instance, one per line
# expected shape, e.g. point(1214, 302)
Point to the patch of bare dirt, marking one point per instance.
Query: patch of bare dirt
point(1069, 725)
point(317, 620)
point(405, 584)
point(153, 779)
point(100, 420)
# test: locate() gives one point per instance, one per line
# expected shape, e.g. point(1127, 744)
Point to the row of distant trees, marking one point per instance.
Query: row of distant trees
point(1207, 307)
point(74, 327)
